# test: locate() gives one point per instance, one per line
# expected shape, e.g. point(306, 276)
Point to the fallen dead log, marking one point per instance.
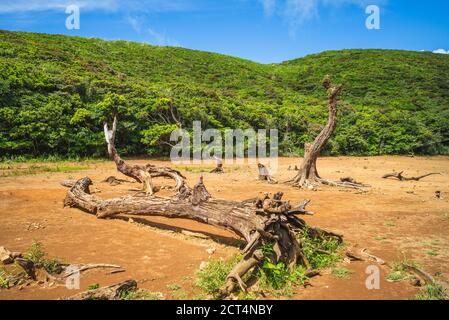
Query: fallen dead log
point(400, 177)
point(264, 220)
point(113, 292)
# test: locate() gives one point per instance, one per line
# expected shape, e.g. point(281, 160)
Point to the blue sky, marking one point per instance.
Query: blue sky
point(260, 30)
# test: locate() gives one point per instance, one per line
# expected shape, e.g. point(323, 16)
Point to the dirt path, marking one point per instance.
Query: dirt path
point(394, 220)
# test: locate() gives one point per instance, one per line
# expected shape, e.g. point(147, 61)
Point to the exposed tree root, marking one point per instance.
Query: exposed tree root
point(259, 221)
point(400, 177)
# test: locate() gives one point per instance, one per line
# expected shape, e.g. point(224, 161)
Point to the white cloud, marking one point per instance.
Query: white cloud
point(296, 12)
point(441, 51)
point(161, 39)
point(155, 37)
point(15, 6)
point(269, 6)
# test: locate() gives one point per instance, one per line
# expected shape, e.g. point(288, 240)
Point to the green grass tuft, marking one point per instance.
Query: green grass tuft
point(341, 273)
point(173, 287)
point(4, 282)
point(214, 275)
point(141, 294)
point(36, 254)
point(432, 253)
point(327, 254)
point(432, 292)
point(93, 286)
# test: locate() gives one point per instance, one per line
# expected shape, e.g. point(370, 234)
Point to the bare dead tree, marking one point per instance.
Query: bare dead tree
point(264, 220)
point(400, 177)
point(142, 174)
point(308, 174)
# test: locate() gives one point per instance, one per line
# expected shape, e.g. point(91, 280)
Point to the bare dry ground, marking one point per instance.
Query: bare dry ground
point(394, 220)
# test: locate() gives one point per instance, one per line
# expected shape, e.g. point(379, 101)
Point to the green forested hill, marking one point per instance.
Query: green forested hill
point(56, 91)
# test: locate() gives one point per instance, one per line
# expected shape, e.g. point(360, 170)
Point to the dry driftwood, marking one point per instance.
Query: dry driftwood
point(308, 175)
point(400, 177)
point(262, 220)
point(113, 292)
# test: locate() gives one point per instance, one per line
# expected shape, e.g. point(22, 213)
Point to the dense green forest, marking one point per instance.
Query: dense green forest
point(56, 92)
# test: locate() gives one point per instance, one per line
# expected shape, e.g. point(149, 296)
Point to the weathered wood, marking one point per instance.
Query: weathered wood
point(113, 181)
point(265, 175)
point(258, 221)
point(400, 177)
point(308, 175)
point(28, 266)
point(113, 292)
point(141, 173)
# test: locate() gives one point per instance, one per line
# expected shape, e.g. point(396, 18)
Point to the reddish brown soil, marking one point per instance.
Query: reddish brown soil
point(394, 220)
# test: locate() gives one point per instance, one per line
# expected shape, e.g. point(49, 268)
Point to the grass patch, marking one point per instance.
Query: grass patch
point(199, 297)
point(4, 282)
point(341, 273)
point(446, 216)
point(274, 278)
point(93, 286)
point(396, 276)
point(213, 276)
point(180, 295)
point(430, 243)
point(432, 292)
point(4, 161)
point(380, 238)
point(36, 169)
point(321, 253)
point(390, 224)
point(400, 271)
point(141, 294)
point(432, 253)
point(36, 254)
point(194, 169)
point(173, 287)
point(279, 280)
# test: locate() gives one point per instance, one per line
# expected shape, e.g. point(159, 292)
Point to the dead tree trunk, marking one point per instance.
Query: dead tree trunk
point(260, 221)
point(308, 174)
point(142, 174)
